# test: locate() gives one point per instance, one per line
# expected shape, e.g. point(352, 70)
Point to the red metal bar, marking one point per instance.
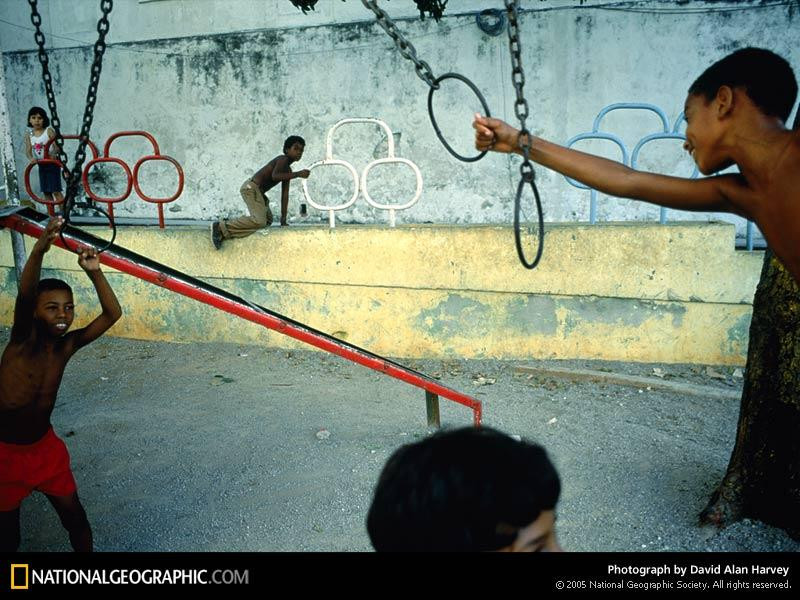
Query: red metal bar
point(109, 202)
point(159, 201)
point(89, 144)
point(156, 155)
point(138, 133)
point(270, 321)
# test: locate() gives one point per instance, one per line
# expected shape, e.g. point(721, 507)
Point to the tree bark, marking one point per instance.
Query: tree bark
point(763, 477)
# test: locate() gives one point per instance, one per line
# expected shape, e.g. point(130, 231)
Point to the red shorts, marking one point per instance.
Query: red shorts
point(42, 466)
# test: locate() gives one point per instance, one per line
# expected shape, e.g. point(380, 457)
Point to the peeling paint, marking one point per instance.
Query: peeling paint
point(739, 334)
point(618, 311)
point(455, 316)
point(432, 291)
point(531, 315)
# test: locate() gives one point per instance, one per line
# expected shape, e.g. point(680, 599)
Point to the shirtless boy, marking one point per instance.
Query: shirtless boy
point(32, 457)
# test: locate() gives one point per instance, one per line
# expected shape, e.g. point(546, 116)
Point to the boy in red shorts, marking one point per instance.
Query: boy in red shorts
point(32, 457)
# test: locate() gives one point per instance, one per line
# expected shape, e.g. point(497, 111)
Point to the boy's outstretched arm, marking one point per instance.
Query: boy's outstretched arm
point(87, 259)
point(26, 296)
point(283, 172)
point(611, 177)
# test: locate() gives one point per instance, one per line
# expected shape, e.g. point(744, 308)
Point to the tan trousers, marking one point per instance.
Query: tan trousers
point(260, 214)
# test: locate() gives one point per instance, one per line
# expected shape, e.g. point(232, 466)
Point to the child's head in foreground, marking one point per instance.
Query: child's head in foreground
point(466, 490)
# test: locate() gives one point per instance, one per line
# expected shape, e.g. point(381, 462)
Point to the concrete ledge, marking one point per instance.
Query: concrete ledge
point(689, 389)
point(633, 291)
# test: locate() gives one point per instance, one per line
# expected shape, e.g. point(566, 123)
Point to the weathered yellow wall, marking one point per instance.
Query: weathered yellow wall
point(632, 291)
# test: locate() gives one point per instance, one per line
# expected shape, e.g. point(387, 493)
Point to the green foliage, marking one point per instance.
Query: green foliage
point(431, 8)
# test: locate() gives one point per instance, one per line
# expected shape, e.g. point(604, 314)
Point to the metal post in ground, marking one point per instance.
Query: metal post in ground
point(10, 172)
point(432, 404)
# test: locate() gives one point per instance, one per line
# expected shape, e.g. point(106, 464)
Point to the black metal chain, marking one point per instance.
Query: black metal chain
point(522, 111)
point(425, 73)
point(74, 175)
point(405, 47)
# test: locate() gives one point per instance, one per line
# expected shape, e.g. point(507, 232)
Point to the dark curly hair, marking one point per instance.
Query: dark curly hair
point(766, 78)
point(466, 490)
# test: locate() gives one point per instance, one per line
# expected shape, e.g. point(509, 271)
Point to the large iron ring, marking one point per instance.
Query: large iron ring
point(517, 234)
point(97, 209)
point(477, 92)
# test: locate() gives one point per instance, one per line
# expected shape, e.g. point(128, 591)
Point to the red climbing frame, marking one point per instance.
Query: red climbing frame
point(133, 178)
point(108, 201)
point(156, 155)
point(33, 223)
point(52, 161)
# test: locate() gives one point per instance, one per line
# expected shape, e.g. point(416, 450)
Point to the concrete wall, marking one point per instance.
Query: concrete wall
point(637, 292)
point(221, 84)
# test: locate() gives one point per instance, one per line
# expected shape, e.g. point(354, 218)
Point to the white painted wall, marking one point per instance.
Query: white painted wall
point(221, 84)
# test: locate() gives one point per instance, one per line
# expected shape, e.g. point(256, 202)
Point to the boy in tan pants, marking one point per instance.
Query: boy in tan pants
point(253, 193)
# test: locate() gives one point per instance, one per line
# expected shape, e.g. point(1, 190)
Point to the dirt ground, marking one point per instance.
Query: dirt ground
point(219, 447)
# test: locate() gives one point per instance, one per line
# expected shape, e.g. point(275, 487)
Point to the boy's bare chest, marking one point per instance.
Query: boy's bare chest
point(30, 377)
point(779, 218)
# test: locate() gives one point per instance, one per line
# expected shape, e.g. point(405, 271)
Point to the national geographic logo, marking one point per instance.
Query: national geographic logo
point(19, 577)
point(23, 576)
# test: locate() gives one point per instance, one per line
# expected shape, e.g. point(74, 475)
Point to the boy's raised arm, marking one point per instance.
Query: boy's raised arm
point(26, 296)
point(87, 259)
point(611, 177)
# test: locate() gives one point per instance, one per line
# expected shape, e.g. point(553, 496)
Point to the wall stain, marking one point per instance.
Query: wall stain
point(617, 311)
point(739, 334)
point(456, 316)
point(532, 315)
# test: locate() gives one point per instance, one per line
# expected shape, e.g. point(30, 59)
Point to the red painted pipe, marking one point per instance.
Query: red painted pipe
point(109, 202)
point(269, 321)
point(89, 144)
point(156, 155)
point(138, 133)
point(159, 201)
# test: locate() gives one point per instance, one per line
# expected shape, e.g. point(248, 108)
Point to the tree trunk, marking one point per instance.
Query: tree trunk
point(763, 477)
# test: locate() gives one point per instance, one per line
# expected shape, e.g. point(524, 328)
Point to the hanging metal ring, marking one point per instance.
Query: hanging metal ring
point(518, 234)
point(95, 208)
point(476, 91)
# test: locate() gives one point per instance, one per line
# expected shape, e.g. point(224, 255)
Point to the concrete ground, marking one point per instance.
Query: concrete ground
point(218, 447)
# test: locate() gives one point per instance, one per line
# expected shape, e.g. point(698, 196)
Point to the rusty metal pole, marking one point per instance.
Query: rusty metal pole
point(10, 172)
point(432, 404)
